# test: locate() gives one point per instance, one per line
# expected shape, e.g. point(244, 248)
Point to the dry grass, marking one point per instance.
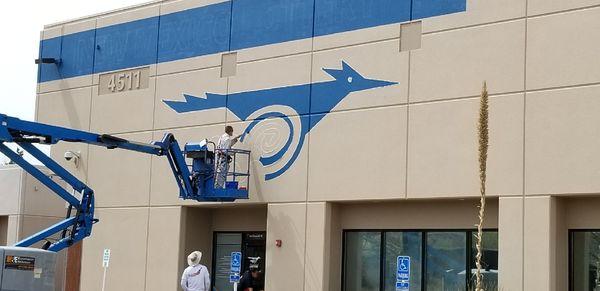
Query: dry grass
point(483, 133)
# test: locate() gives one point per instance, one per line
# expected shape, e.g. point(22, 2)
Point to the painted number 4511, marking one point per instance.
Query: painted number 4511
point(120, 82)
point(123, 81)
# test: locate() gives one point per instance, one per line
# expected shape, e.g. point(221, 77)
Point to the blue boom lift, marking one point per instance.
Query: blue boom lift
point(196, 184)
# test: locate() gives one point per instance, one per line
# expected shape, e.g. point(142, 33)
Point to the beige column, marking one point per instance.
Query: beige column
point(165, 248)
point(12, 229)
point(318, 250)
point(285, 264)
point(539, 272)
point(510, 243)
point(125, 232)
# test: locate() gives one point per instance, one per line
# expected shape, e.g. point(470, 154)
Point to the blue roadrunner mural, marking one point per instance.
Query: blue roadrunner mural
point(324, 97)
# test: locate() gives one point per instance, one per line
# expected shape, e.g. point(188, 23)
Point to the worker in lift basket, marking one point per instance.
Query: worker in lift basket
point(226, 141)
point(195, 277)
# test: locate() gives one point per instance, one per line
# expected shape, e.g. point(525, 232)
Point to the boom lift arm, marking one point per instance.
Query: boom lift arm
point(197, 184)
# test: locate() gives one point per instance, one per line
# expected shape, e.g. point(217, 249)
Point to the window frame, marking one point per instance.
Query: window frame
point(468, 246)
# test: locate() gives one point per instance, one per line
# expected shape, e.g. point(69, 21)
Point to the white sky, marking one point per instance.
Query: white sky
point(20, 28)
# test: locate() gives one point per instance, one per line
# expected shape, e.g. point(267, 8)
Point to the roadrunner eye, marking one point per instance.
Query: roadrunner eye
point(349, 79)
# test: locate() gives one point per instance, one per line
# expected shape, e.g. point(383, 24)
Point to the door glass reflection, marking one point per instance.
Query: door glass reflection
point(362, 263)
point(585, 272)
point(402, 244)
point(446, 261)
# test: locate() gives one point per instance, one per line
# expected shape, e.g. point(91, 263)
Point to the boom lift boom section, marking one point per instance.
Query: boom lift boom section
point(197, 184)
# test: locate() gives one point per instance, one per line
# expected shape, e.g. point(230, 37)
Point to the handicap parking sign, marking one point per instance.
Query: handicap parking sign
point(236, 259)
point(234, 278)
point(403, 273)
point(402, 286)
point(235, 267)
point(403, 267)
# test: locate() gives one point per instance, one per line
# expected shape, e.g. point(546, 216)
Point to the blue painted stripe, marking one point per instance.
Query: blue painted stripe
point(126, 45)
point(194, 32)
point(78, 54)
point(334, 16)
point(429, 8)
point(257, 23)
point(222, 27)
point(50, 48)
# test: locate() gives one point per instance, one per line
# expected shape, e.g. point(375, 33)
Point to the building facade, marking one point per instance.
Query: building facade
point(361, 117)
point(26, 207)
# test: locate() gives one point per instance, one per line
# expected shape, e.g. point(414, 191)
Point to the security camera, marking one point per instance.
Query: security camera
point(74, 156)
point(69, 155)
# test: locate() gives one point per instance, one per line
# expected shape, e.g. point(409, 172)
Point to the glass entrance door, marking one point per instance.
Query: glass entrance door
point(224, 245)
point(251, 244)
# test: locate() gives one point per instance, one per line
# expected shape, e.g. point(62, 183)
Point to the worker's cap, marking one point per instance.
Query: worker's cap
point(194, 258)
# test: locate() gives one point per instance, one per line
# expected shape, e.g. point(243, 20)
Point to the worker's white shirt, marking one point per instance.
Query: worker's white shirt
point(195, 278)
point(226, 142)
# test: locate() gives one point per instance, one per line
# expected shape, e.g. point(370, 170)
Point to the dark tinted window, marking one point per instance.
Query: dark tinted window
point(362, 263)
point(439, 260)
point(585, 261)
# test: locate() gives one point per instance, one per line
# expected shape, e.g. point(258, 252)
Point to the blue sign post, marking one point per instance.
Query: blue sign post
point(403, 273)
point(236, 267)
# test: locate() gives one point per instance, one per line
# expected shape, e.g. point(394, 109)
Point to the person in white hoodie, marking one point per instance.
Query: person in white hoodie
point(195, 277)
point(223, 158)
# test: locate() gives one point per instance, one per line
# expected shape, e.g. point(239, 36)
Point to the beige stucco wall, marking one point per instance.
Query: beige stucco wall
point(165, 247)
point(310, 255)
point(534, 239)
point(286, 222)
point(26, 204)
point(26, 207)
point(125, 232)
point(398, 157)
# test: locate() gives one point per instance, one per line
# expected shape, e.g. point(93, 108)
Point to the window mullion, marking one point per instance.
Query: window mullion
point(382, 262)
point(468, 262)
point(423, 260)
